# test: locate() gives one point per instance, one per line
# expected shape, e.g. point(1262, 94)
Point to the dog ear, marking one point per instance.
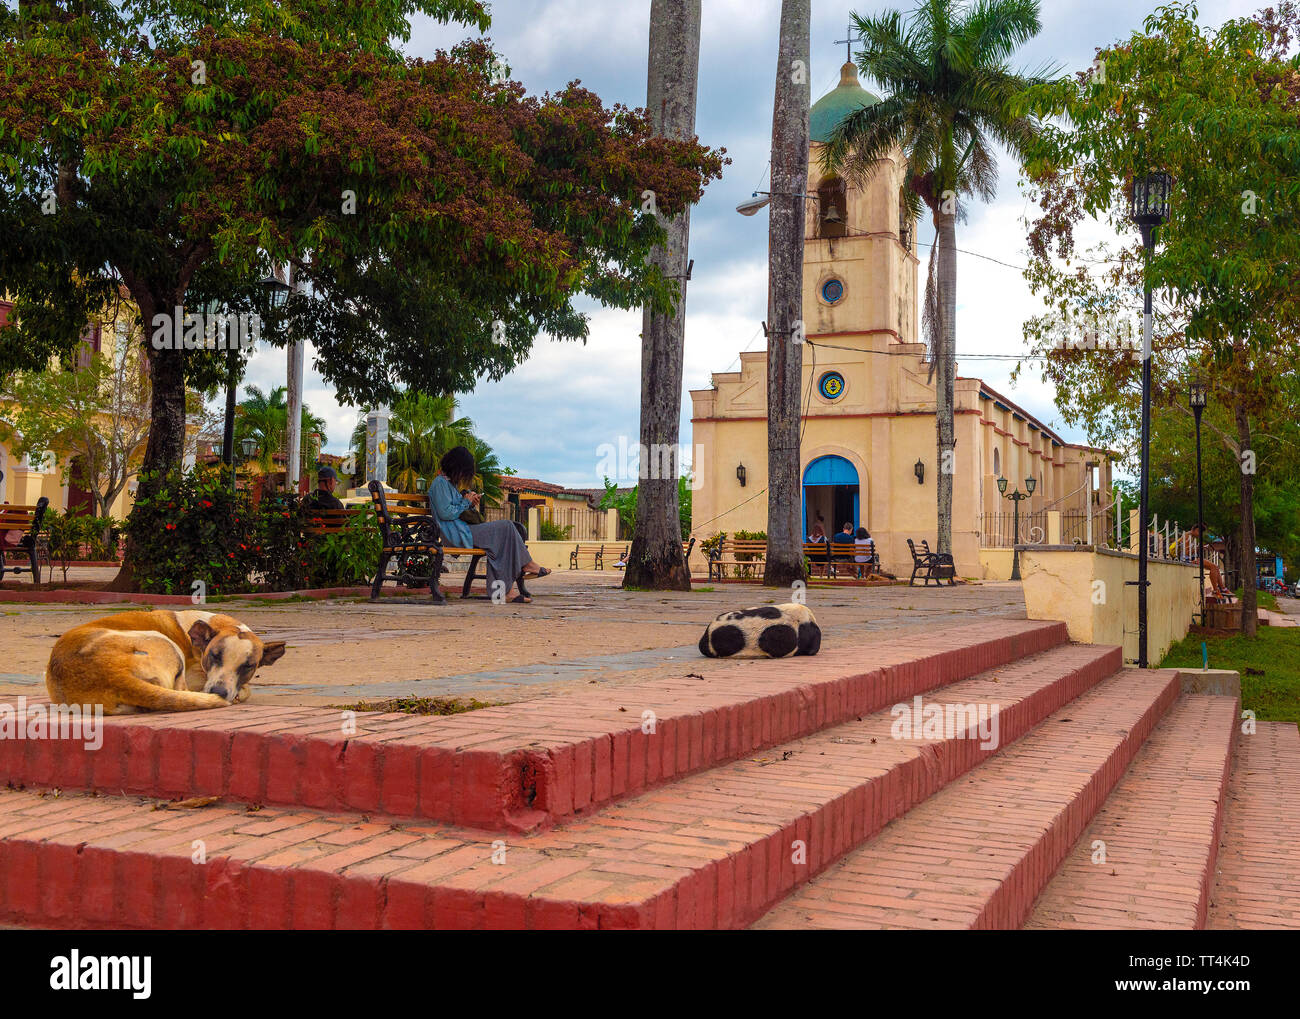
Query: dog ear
point(272, 652)
point(200, 633)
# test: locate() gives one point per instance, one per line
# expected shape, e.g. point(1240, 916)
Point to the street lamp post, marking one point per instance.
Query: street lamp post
point(1031, 483)
point(1149, 209)
point(278, 291)
point(1196, 396)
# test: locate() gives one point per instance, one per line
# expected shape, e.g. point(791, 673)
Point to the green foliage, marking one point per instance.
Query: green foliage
point(421, 429)
point(264, 417)
point(713, 543)
point(1223, 271)
point(625, 503)
point(475, 204)
point(1269, 665)
point(551, 531)
point(349, 557)
point(198, 530)
point(949, 95)
point(189, 528)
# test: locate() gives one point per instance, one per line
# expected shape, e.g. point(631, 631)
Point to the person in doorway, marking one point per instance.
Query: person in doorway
point(818, 535)
point(324, 498)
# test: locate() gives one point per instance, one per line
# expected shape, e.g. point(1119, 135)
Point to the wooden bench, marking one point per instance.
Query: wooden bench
point(936, 566)
point(596, 552)
point(818, 554)
point(844, 560)
point(20, 534)
point(322, 523)
point(687, 547)
point(743, 553)
point(414, 539)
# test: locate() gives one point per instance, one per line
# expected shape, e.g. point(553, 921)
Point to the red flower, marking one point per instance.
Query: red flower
point(171, 527)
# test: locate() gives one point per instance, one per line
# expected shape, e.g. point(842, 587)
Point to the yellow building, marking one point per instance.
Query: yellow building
point(867, 452)
point(27, 478)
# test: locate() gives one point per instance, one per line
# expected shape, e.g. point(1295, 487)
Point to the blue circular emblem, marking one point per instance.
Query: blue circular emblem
point(831, 385)
point(832, 291)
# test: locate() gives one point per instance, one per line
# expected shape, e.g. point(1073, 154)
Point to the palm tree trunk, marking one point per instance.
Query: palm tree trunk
point(945, 356)
point(1248, 570)
point(656, 559)
point(785, 240)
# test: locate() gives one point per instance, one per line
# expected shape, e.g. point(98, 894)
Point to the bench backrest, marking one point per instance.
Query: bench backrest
point(391, 517)
point(743, 546)
point(330, 521)
point(590, 549)
point(23, 518)
point(816, 549)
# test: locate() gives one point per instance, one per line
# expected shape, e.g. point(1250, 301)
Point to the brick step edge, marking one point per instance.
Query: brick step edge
point(1006, 905)
point(59, 866)
point(1159, 826)
point(1258, 875)
point(549, 767)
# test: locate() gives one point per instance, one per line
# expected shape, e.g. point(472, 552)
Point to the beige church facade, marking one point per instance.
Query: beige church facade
point(868, 450)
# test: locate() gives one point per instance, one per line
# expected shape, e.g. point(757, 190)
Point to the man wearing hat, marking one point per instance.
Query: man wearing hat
point(324, 498)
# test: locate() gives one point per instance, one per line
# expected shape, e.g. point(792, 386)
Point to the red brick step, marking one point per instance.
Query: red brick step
point(517, 767)
point(1259, 859)
point(976, 854)
point(713, 849)
point(1159, 829)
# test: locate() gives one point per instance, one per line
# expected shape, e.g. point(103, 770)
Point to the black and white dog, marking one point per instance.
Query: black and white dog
point(769, 631)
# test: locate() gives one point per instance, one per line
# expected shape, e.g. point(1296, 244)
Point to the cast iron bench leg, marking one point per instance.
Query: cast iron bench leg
point(470, 576)
point(435, 588)
point(379, 576)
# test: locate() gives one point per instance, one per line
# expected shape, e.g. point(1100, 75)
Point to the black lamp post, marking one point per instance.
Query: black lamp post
point(1196, 396)
point(1031, 483)
point(277, 292)
point(1149, 209)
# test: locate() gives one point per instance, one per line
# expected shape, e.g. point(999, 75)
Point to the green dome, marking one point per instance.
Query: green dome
point(838, 103)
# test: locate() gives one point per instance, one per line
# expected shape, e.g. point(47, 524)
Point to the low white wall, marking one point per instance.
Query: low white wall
point(1089, 589)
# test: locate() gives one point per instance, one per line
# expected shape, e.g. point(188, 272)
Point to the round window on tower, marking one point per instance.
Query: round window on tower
point(832, 291)
point(831, 385)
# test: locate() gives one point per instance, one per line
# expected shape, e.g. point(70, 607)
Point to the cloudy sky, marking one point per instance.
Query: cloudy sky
point(549, 417)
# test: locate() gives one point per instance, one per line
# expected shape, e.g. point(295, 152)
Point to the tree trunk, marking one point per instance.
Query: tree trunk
point(785, 241)
point(1247, 571)
point(165, 450)
point(945, 373)
point(656, 559)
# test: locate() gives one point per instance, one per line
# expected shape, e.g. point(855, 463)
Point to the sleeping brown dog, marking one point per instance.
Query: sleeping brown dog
point(157, 661)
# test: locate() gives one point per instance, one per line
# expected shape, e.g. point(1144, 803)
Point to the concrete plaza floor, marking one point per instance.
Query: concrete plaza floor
point(581, 628)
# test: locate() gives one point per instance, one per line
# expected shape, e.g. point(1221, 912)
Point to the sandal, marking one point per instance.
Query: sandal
point(543, 572)
point(519, 599)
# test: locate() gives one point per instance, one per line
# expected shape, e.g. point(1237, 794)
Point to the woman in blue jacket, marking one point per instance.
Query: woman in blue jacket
point(507, 555)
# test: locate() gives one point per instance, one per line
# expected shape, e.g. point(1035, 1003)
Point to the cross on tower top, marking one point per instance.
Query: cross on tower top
point(847, 43)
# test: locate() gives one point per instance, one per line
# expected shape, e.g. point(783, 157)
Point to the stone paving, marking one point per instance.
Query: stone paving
point(580, 629)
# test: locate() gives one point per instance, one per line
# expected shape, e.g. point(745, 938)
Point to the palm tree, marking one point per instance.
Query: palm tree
point(784, 563)
point(950, 95)
point(656, 560)
point(265, 418)
point(420, 430)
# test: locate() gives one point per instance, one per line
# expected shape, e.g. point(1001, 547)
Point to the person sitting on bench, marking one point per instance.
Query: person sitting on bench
point(507, 555)
point(865, 551)
point(324, 498)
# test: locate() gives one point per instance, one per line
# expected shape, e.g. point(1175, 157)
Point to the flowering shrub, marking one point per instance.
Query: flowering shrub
point(193, 528)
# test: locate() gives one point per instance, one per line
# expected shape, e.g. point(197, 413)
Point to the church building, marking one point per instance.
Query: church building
point(867, 452)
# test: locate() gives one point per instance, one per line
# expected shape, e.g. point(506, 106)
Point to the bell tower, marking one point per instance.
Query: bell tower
point(860, 264)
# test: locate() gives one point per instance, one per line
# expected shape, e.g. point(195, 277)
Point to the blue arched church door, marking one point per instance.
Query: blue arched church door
point(831, 494)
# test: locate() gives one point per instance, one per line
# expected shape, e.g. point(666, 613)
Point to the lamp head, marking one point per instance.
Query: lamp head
point(1149, 200)
point(1002, 485)
point(1197, 394)
point(1031, 483)
point(752, 205)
